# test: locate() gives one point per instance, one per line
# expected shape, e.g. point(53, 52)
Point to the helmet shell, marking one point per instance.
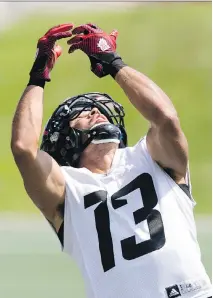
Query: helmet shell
point(65, 144)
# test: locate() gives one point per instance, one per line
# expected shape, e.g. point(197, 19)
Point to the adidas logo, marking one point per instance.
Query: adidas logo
point(103, 45)
point(173, 293)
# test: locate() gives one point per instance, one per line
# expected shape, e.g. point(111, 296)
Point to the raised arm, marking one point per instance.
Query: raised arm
point(165, 140)
point(42, 176)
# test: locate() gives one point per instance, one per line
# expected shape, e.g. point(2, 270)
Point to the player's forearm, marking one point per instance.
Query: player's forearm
point(27, 121)
point(145, 95)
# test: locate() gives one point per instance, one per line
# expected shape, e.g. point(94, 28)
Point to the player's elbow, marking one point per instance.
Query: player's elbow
point(20, 150)
point(170, 123)
point(17, 147)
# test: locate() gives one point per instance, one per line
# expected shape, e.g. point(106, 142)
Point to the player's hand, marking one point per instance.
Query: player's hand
point(99, 46)
point(48, 52)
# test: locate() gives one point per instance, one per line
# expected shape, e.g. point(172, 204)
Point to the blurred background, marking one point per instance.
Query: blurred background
point(170, 43)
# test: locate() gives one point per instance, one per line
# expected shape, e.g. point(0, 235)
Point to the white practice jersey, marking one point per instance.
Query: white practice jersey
point(132, 231)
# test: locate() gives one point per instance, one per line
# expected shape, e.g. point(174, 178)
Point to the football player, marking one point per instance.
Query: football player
point(124, 213)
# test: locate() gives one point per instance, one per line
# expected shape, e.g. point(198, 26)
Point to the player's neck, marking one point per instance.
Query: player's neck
point(98, 157)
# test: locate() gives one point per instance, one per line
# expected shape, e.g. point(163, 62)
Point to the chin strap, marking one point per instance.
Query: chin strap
point(105, 141)
point(104, 133)
point(98, 134)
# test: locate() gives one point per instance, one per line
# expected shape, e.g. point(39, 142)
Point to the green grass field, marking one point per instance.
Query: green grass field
point(171, 43)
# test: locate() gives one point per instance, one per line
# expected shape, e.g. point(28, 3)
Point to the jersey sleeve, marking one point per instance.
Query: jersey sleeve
point(142, 147)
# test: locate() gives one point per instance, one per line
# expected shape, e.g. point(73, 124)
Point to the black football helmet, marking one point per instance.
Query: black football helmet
point(65, 144)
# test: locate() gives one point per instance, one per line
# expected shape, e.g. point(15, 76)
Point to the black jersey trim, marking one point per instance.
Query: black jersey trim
point(61, 234)
point(185, 188)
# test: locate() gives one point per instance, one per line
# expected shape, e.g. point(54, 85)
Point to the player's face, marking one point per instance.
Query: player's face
point(88, 119)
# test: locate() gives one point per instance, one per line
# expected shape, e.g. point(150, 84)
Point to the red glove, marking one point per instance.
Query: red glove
point(99, 46)
point(47, 52)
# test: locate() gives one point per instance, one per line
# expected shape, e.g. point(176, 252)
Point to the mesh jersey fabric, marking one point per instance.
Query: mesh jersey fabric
point(132, 231)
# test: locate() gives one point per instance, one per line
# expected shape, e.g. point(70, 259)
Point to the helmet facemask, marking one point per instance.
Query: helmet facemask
point(65, 144)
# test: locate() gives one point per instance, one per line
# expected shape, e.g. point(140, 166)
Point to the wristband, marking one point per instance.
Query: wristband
point(115, 66)
point(37, 82)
